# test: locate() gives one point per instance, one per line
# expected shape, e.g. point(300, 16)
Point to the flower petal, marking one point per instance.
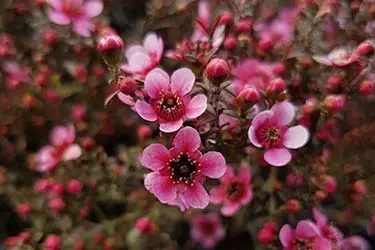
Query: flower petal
point(319, 217)
point(83, 27)
point(213, 164)
point(283, 113)
point(286, 235)
point(196, 196)
point(277, 156)
point(307, 229)
point(73, 152)
point(56, 4)
point(155, 156)
point(296, 137)
point(126, 99)
point(253, 137)
point(187, 140)
point(230, 209)
point(228, 175)
point(145, 111)
point(244, 174)
point(58, 17)
point(93, 8)
point(161, 187)
point(156, 80)
point(154, 45)
point(62, 135)
point(196, 106)
point(139, 61)
point(182, 81)
point(169, 127)
point(134, 49)
point(322, 243)
point(46, 159)
point(217, 195)
point(261, 118)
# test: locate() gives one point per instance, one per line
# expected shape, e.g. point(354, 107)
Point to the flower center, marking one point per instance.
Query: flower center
point(71, 9)
point(170, 106)
point(207, 228)
point(183, 169)
point(302, 244)
point(234, 191)
point(269, 136)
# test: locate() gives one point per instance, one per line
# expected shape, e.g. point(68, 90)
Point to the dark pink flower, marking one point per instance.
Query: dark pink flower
point(143, 58)
point(60, 149)
point(306, 236)
point(233, 192)
point(179, 173)
point(207, 230)
point(269, 130)
point(355, 243)
point(170, 104)
point(75, 12)
point(327, 230)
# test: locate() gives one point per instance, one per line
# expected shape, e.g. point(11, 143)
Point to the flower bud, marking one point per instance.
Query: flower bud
point(265, 44)
point(247, 97)
point(294, 180)
point(144, 131)
point(111, 48)
point(334, 83)
point(56, 204)
point(243, 26)
point(364, 48)
point(74, 186)
point(52, 242)
point(50, 37)
point(230, 42)
point(217, 70)
point(272, 226)
point(359, 187)
point(23, 209)
point(293, 206)
point(276, 86)
point(334, 103)
point(366, 88)
point(226, 18)
point(329, 184)
point(127, 85)
point(265, 236)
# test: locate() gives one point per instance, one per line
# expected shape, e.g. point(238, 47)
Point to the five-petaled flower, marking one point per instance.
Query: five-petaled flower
point(179, 173)
point(76, 12)
point(207, 229)
point(142, 59)
point(60, 149)
point(170, 104)
point(234, 191)
point(269, 130)
point(306, 236)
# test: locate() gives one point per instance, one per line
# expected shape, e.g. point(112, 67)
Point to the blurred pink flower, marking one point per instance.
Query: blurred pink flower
point(142, 59)
point(16, 74)
point(233, 192)
point(327, 230)
point(76, 12)
point(269, 130)
point(178, 173)
point(207, 230)
point(52, 242)
point(339, 57)
point(60, 149)
point(355, 243)
point(170, 104)
point(306, 236)
point(253, 73)
point(279, 32)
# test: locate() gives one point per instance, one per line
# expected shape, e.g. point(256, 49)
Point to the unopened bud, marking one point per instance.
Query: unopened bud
point(111, 48)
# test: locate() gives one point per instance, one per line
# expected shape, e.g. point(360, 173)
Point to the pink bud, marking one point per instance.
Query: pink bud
point(51, 96)
point(334, 103)
point(330, 184)
point(226, 18)
point(334, 83)
point(366, 88)
point(143, 224)
point(42, 186)
point(359, 187)
point(265, 44)
point(50, 37)
point(247, 96)
point(23, 209)
point(293, 206)
point(217, 69)
point(98, 71)
point(276, 86)
point(230, 42)
point(24, 236)
point(87, 142)
point(57, 188)
point(74, 186)
point(243, 25)
point(265, 236)
point(52, 242)
point(111, 48)
point(127, 85)
point(144, 131)
point(272, 226)
point(84, 212)
point(294, 180)
point(78, 112)
point(80, 72)
point(56, 204)
point(364, 48)
point(79, 245)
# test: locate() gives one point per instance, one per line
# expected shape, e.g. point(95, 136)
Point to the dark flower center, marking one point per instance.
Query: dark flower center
point(207, 228)
point(71, 9)
point(302, 244)
point(235, 190)
point(183, 169)
point(269, 135)
point(170, 106)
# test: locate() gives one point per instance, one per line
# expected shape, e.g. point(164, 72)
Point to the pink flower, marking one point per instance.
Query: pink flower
point(60, 149)
point(306, 236)
point(76, 12)
point(327, 230)
point(142, 59)
point(233, 192)
point(16, 74)
point(170, 104)
point(253, 73)
point(269, 130)
point(355, 243)
point(207, 230)
point(52, 242)
point(179, 173)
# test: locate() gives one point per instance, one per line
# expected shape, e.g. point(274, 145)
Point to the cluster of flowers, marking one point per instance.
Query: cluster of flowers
point(241, 119)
